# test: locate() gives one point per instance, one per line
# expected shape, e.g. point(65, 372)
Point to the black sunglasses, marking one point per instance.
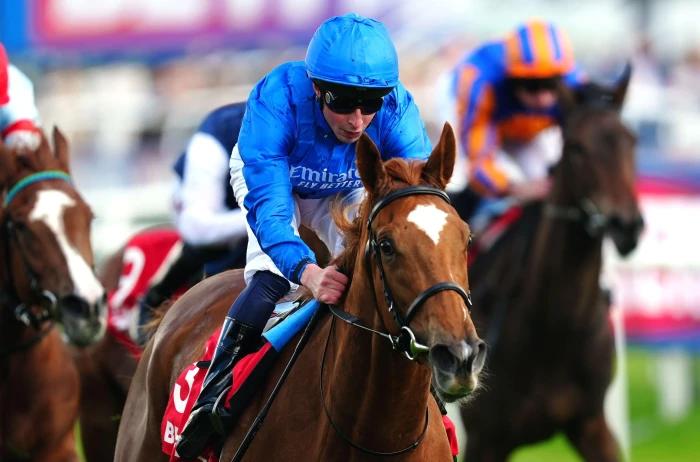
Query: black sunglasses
point(348, 104)
point(537, 85)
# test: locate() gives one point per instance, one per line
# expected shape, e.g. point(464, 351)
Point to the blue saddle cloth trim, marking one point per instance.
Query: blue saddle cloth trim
point(279, 335)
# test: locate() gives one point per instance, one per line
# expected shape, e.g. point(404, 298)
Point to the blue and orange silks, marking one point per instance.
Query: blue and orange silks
point(488, 114)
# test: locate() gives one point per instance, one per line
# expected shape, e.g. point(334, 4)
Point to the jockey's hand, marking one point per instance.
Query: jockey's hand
point(326, 284)
point(531, 190)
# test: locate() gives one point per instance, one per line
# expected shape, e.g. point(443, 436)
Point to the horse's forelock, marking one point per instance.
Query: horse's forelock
point(401, 173)
point(593, 95)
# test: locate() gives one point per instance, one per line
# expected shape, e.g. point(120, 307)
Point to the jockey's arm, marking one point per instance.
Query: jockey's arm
point(204, 218)
point(19, 118)
point(265, 139)
point(478, 133)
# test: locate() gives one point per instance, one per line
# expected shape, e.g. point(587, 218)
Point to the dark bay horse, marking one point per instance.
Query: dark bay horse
point(538, 295)
point(373, 396)
point(45, 277)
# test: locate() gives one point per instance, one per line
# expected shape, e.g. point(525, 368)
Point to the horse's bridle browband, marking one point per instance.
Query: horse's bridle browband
point(46, 300)
point(406, 341)
point(34, 178)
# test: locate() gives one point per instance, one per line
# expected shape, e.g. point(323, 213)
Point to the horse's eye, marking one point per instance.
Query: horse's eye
point(18, 226)
point(386, 247)
point(469, 242)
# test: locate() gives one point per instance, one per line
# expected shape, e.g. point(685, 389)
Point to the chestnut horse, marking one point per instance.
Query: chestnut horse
point(540, 304)
point(374, 400)
point(45, 277)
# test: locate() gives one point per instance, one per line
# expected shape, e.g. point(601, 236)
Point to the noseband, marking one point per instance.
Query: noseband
point(587, 213)
point(45, 300)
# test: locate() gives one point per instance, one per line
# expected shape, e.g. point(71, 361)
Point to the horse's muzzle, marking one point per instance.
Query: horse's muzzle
point(456, 368)
point(84, 323)
point(625, 232)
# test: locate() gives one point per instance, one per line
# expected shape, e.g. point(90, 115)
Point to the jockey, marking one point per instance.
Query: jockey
point(19, 117)
point(207, 217)
point(295, 154)
point(508, 117)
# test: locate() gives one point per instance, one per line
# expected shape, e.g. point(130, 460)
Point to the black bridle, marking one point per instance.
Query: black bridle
point(586, 212)
point(406, 341)
point(41, 307)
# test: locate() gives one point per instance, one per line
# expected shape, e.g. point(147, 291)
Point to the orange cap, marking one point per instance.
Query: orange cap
point(538, 49)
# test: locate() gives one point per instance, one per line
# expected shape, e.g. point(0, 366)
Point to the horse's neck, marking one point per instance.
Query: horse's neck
point(566, 270)
point(370, 385)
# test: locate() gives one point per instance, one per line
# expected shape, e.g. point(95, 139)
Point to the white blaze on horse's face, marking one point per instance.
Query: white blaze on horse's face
point(429, 219)
point(49, 208)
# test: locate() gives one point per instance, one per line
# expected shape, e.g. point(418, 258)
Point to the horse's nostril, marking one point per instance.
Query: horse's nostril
point(480, 356)
point(75, 305)
point(443, 358)
point(459, 358)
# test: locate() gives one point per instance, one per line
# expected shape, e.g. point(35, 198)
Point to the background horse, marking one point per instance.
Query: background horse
point(107, 367)
point(45, 277)
point(419, 244)
point(538, 295)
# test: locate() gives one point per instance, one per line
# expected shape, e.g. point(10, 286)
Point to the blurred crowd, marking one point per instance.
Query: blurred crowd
point(129, 118)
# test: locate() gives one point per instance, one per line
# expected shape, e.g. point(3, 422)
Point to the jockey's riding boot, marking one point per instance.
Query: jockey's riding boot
point(239, 336)
point(236, 340)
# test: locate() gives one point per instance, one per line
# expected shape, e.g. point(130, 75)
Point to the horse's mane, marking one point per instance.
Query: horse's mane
point(402, 173)
point(156, 318)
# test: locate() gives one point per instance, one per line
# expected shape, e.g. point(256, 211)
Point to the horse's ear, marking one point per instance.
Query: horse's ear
point(60, 145)
point(439, 167)
point(370, 164)
point(567, 99)
point(620, 89)
point(8, 165)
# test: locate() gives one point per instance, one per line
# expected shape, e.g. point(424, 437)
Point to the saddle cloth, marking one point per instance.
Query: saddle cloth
point(248, 374)
point(147, 255)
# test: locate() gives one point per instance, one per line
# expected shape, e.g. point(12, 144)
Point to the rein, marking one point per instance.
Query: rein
point(346, 438)
point(44, 299)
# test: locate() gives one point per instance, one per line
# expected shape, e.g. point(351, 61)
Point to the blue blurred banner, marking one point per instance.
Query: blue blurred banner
point(152, 26)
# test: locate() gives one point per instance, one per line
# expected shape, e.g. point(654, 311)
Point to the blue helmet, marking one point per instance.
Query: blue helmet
point(353, 50)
